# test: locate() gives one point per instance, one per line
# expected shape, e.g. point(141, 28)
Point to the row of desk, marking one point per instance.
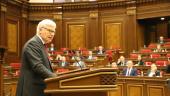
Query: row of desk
point(99, 82)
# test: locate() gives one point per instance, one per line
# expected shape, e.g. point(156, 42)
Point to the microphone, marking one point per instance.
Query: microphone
point(77, 59)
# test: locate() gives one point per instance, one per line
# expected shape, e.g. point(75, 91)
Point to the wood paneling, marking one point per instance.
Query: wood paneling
point(154, 90)
point(112, 34)
point(77, 36)
point(134, 90)
point(13, 35)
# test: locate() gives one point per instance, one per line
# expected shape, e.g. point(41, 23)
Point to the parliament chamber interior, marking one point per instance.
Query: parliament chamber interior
point(100, 48)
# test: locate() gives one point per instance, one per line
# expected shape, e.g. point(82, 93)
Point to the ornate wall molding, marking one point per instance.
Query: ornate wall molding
point(3, 7)
point(93, 14)
point(57, 16)
point(89, 5)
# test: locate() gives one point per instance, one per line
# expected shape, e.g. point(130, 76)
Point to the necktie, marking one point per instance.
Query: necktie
point(128, 72)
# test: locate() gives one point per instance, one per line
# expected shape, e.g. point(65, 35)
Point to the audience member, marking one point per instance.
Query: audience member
point(58, 57)
point(159, 48)
point(161, 40)
point(100, 50)
point(168, 68)
point(63, 62)
point(114, 65)
point(121, 61)
point(130, 71)
point(140, 61)
point(153, 71)
point(79, 63)
point(90, 55)
point(76, 54)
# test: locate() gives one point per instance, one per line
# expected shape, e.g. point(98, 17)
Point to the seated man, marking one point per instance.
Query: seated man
point(130, 71)
point(76, 54)
point(159, 48)
point(63, 62)
point(121, 61)
point(161, 40)
point(79, 63)
point(140, 61)
point(153, 71)
point(90, 56)
point(100, 50)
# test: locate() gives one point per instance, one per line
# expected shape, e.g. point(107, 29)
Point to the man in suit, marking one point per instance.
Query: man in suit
point(100, 50)
point(79, 63)
point(35, 63)
point(130, 71)
point(121, 61)
point(63, 62)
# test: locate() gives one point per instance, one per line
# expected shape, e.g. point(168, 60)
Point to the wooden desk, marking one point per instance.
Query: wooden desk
point(96, 82)
point(141, 86)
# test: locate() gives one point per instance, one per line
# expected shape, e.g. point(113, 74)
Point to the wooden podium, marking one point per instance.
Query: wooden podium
point(86, 82)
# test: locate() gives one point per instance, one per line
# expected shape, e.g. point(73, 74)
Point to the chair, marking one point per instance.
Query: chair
point(109, 52)
point(161, 63)
point(152, 45)
point(58, 52)
point(15, 65)
point(155, 55)
point(64, 49)
point(147, 63)
point(15, 68)
point(86, 53)
point(134, 56)
point(167, 45)
point(82, 49)
point(168, 55)
point(145, 50)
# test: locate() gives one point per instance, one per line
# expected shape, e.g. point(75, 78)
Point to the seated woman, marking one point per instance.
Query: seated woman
point(153, 71)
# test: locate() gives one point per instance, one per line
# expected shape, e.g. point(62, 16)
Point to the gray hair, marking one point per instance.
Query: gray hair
point(45, 22)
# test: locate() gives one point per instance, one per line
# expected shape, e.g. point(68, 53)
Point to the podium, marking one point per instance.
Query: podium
point(85, 82)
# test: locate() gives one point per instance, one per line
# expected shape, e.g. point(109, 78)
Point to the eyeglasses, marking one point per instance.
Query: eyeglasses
point(52, 31)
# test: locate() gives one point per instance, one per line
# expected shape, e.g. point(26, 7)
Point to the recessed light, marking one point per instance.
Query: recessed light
point(162, 18)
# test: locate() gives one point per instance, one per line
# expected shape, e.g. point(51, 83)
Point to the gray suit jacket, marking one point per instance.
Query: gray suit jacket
point(34, 69)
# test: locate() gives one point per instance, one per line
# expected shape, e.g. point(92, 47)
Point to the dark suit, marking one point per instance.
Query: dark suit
point(133, 72)
point(34, 69)
point(168, 68)
point(157, 73)
point(100, 52)
point(140, 63)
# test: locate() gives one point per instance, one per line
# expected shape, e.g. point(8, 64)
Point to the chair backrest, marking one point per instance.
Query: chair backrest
point(155, 55)
point(147, 63)
point(145, 50)
point(64, 49)
point(166, 45)
point(161, 63)
point(152, 45)
point(58, 52)
point(15, 65)
point(132, 55)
